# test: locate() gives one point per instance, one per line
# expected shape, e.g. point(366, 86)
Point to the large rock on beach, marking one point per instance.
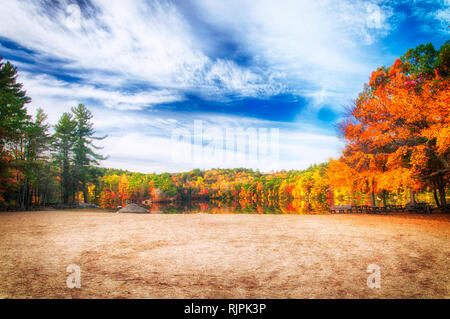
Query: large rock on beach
point(133, 208)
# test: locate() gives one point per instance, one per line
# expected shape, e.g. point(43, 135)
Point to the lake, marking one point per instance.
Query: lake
point(217, 207)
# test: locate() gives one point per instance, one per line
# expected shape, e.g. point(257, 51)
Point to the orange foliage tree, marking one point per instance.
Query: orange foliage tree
point(397, 133)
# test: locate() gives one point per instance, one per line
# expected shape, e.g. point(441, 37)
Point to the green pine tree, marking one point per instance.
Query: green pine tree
point(84, 149)
point(13, 120)
point(64, 140)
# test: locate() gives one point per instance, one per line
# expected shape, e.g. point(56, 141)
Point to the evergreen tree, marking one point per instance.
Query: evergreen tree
point(37, 144)
point(84, 149)
point(32, 151)
point(13, 114)
point(64, 140)
point(13, 120)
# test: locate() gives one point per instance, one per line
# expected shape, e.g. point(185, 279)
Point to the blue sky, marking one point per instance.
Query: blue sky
point(146, 68)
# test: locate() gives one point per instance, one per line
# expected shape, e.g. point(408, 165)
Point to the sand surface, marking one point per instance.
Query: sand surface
point(222, 256)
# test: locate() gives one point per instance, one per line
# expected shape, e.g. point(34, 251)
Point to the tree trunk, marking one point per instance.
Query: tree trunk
point(412, 196)
point(38, 197)
point(85, 194)
point(65, 198)
point(384, 199)
point(442, 194)
point(24, 194)
point(30, 197)
point(436, 198)
point(372, 198)
point(331, 199)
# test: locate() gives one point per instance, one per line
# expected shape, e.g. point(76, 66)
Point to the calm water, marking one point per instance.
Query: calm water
point(294, 206)
point(214, 207)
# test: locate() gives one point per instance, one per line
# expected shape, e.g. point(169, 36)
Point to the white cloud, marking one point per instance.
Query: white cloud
point(443, 17)
point(435, 13)
point(298, 47)
point(315, 45)
point(153, 154)
point(43, 87)
point(144, 143)
point(321, 50)
point(133, 40)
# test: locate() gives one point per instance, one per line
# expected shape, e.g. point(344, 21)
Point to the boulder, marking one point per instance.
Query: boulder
point(133, 208)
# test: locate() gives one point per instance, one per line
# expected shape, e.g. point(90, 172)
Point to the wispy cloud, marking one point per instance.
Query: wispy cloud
point(314, 45)
point(44, 86)
point(435, 14)
point(131, 61)
point(443, 18)
point(146, 144)
point(132, 40)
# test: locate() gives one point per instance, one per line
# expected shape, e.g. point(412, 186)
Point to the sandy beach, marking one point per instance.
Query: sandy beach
point(223, 256)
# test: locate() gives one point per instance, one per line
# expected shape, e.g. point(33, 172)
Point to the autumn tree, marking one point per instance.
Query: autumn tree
point(397, 133)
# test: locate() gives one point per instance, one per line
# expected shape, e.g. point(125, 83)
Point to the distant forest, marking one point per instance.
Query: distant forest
point(397, 139)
